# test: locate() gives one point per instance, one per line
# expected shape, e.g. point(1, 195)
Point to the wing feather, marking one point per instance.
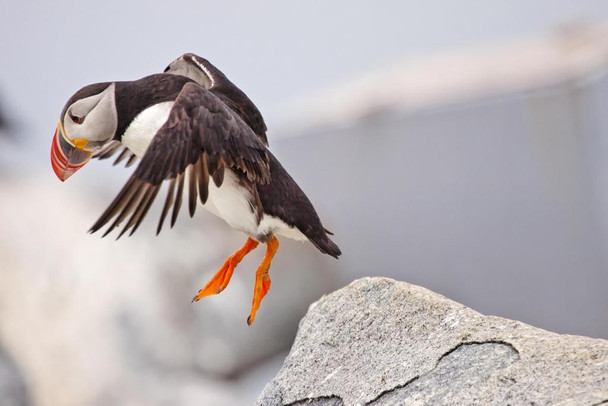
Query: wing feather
point(218, 175)
point(142, 209)
point(168, 203)
point(193, 171)
point(132, 159)
point(125, 153)
point(137, 208)
point(200, 139)
point(112, 148)
point(203, 179)
point(131, 203)
point(117, 205)
point(108, 150)
point(178, 198)
point(208, 76)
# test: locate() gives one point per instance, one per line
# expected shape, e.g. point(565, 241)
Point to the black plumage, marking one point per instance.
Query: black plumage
point(228, 93)
point(284, 199)
point(212, 127)
point(193, 128)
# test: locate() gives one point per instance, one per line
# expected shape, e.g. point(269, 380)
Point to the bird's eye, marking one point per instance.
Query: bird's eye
point(76, 119)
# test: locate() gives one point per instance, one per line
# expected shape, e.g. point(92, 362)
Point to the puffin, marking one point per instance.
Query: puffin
point(189, 127)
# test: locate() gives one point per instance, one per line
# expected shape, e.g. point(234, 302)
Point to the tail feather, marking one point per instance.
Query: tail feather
point(326, 245)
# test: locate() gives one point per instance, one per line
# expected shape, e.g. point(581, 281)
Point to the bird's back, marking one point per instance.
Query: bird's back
point(283, 198)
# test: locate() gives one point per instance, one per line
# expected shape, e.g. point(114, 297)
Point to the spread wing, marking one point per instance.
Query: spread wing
point(201, 137)
point(207, 75)
point(112, 148)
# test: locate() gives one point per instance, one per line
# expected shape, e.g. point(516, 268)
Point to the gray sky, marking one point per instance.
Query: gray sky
point(274, 50)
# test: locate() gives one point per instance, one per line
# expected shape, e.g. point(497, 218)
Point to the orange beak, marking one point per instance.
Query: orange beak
point(66, 157)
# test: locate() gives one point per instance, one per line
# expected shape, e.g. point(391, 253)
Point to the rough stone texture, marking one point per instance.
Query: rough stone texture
point(382, 342)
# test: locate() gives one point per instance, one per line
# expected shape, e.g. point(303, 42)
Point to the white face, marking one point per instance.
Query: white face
point(92, 121)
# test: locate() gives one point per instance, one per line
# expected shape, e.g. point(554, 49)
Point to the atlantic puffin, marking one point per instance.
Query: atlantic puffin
point(192, 127)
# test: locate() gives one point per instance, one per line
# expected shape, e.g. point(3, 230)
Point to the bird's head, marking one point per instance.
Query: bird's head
point(88, 121)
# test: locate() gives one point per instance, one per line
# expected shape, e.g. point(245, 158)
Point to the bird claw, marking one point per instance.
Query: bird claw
point(222, 277)
point(262, 280)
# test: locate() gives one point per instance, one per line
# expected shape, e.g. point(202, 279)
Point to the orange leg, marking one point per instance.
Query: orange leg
point(222, 277)
point(262, 279)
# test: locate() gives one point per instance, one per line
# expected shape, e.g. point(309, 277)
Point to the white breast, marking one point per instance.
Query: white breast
point(144, 127)
point(230, 202)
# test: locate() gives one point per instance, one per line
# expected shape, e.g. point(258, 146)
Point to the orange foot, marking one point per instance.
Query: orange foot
point(262, 279)
point(222, 277)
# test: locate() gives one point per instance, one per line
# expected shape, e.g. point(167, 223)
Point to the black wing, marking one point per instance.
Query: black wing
point(112, 148)
point(207, 75)
point(201, 137)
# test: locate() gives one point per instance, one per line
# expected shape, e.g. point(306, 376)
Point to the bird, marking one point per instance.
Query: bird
point(189, 127)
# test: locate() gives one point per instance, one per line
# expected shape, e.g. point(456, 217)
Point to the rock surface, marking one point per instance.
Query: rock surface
point(382, 342)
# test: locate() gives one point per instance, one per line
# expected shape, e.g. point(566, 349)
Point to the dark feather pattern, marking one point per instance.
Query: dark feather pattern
point(117, 204)
point(211, 127)
point(112, 148)
point(203, 179)
point(149, 199)
point(284, 199)
point(121, 157)
point(199, 140)
point(192, 193)
point(133, 199)
point(218, 175)
point(108, 150)
point(168, 203)
point(146, 192)
point(213, 79)
point(131, 160)
point(178, 198)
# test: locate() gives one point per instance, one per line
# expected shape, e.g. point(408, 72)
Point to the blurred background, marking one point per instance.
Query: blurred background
point(457, 145)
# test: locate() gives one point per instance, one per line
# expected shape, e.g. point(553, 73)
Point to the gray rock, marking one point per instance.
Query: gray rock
point(382, 342)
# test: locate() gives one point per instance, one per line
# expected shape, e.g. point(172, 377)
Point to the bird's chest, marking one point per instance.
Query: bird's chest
point(145, 125)
point(231, 202)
